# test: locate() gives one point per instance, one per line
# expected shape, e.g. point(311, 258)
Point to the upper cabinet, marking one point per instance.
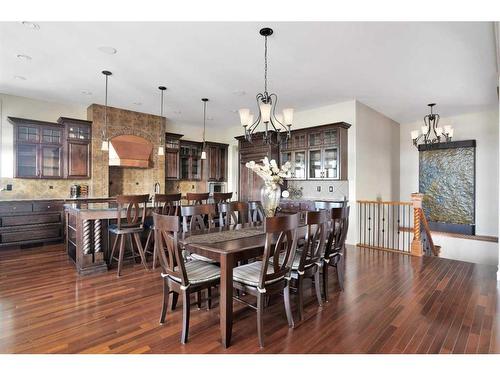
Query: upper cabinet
point(190, 160)
point(46, 150)
point(172, 149)
point(78, 145)
point(215, 165)
point(317, 153)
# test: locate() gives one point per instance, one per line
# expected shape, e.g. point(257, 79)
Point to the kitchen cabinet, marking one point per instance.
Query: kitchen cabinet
point(190, 160)
point(172, 150)
point(38, 148)
point(298, 163)
point(215, 165)
point(77, 148)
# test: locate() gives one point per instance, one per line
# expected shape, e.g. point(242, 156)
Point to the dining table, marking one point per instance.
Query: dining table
point(228, 246)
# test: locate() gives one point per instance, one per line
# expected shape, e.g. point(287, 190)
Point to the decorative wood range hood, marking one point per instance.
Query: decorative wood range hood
point(130, 151)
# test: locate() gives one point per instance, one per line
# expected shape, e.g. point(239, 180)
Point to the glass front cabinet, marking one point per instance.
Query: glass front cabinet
point(317, 153)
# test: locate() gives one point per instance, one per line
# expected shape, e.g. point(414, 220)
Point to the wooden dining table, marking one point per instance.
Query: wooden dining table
point(228, 253)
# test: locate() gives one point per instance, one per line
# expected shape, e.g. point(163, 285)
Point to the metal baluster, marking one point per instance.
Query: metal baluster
point(369, 224)
point(410, 209)
point(383, 224)
point(403, 226)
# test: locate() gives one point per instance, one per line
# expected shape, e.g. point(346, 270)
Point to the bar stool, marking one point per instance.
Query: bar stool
point(222, 197)
point(164, 204)
point(197, 198)
point(131, 227)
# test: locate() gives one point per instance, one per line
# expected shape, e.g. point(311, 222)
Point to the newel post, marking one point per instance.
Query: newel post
point(416, 244)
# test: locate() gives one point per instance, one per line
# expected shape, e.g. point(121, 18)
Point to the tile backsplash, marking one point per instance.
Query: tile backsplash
point(321, 189)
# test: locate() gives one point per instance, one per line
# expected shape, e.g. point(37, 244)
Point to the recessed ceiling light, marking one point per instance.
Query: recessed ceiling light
point(137, 103)
point(239, 93)
point(108, 50)
point(31, 25)
point(24, 57)
point(21, 78)
point(86, 92)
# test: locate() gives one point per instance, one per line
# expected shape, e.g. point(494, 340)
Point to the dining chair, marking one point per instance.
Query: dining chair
point(307, 262)
point(197, 198)
point(165, 204)
point(222, 197)
point(264, 278)
point(255, 212)
point(197, 217)
point(232, 213)
point(180, 277)
point(129, 227)
point(335, 247)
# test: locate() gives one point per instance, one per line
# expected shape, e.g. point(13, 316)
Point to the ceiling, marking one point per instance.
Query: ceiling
point(395, 68)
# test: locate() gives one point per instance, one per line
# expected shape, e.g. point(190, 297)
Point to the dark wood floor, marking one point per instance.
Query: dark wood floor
point(392, 304)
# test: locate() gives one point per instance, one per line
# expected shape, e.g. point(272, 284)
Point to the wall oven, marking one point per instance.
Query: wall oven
point(216, 187)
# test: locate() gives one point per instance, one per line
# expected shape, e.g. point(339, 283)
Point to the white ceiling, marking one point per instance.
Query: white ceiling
point(396, 68)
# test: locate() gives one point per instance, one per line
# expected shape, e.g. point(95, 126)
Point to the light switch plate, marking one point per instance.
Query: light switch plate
point(330, 189)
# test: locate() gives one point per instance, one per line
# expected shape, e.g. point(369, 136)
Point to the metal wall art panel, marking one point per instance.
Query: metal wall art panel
point(447, 175)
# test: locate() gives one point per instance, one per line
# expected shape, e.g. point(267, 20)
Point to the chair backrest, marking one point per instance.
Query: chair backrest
point(240, 210)
point(193, 217)
point(255, 212)
point(197, 198)
point(222, 197)
point(166, 238)
point(338, 230)
point(227, 216)
point(135, 210)
point(167, 204)
point(314, 246)
point(285, 228)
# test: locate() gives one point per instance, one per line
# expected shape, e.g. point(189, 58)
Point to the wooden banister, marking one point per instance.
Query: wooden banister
point(427, 229)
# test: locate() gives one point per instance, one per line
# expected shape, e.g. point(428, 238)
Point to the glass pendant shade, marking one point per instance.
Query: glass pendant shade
point(244, 116)
point(250, 119)
point(288, 116)
point(161, 152)
point(203, 155)
point(447, 128)
point(439, 131)
point(104, 146)
point(424, 129)
point(450, 133)
point(414, 134)
point(279, 117)
point(265, 112)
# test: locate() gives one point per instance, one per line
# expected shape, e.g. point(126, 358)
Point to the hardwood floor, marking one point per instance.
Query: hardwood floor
point(391, 304)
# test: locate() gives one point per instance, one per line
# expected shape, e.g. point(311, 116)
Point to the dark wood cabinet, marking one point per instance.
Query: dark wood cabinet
point(172, 150)
point(250, 183)
point(190, 160)
point(216, 163)
point(38, 148)
point(77, 147)
point(47, 150)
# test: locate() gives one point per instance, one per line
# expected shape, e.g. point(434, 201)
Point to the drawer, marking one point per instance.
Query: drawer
point(48, 206)
point(30, 219)
point(32, 234)
point(14, 207)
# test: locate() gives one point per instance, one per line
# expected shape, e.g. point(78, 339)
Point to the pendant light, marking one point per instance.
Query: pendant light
point(203, 152)
point(161, 148)
point(431, 132)
point(105, 141)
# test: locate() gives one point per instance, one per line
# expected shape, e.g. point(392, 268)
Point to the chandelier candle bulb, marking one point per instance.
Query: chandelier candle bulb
point(288, 116)
point(424, 129)
point(244, 116)
point(414, 134)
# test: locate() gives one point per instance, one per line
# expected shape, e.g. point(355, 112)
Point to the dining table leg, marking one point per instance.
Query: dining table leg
point(226, 298)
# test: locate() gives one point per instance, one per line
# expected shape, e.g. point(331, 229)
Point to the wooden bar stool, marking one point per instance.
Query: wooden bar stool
point(165, 204)
point(197, 198)
point(131, 227)
point(222, 197)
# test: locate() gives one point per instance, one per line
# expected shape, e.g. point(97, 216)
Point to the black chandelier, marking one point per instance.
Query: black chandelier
point(431, 132)
point(266, 104)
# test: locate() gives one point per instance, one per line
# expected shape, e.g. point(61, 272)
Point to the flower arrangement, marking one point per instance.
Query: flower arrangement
point(270, 172)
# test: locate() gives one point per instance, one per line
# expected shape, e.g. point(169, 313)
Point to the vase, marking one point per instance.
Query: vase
point(270, 198)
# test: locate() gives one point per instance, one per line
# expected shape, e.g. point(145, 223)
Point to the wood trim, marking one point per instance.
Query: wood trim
point(387, 202)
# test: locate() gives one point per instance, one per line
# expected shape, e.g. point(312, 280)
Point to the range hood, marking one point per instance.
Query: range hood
point(130, 151)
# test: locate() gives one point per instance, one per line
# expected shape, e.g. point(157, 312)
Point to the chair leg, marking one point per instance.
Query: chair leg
point(185, 316)
point(120, 256)
point(148, 241)
point(132, 246)
point(154, 256)
point(198, 299)
point(209, 298)
point(340, 272)
point(288, 307)
point(300, 297)
point(141, 251)
point(325, 280)
point(317, 287)
point(175, 297)
point(164, 307)
point(113, 250)
point(260, 318)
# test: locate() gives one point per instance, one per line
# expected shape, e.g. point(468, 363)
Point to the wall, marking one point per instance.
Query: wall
point(483, 127)
point(17, 106)
point(377, 159)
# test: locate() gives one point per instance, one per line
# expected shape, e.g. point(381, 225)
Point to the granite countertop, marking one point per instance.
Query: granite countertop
point(81, 199)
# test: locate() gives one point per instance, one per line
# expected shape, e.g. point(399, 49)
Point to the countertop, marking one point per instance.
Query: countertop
point(81, 199)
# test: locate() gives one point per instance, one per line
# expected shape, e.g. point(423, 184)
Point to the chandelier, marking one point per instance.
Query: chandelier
point(266, 104)
point(431, 132)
